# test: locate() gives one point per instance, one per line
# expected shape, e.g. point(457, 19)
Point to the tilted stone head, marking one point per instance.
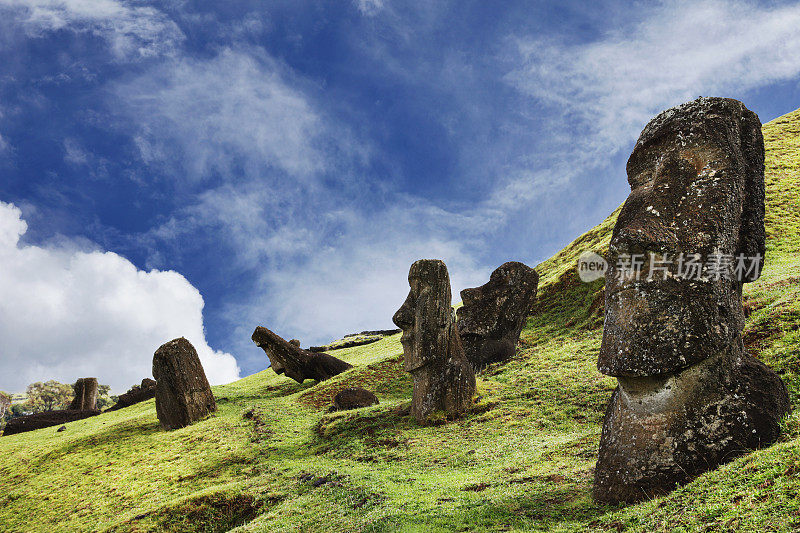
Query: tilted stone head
point(289, 359)
point(183, 395)
point(697, 187)
point(493, 314)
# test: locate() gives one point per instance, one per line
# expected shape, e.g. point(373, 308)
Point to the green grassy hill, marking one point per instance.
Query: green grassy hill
point(272, 459)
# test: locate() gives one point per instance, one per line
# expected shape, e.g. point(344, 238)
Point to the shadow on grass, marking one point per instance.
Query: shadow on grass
point(210, 513)
point(111, 436)
point(542, 508)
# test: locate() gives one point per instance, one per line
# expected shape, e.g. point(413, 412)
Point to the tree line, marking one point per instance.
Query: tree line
point(48, 396)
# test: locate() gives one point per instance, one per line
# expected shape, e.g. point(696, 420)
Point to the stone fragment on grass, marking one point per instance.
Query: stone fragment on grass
point(354, 398)
point(294, 362)
point(492, 317)
point(689, 396)
point(183, 395)
point(444, 381)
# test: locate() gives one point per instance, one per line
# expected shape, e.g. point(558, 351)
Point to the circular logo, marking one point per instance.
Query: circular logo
point(591, 266)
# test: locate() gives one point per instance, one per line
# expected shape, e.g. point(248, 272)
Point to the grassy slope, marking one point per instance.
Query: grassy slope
point(271, 459)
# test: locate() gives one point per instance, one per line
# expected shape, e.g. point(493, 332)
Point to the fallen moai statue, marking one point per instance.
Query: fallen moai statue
point(183, 395)
point(136, 394)
point(45, 419)
point(689, 397)
point(294, 362)
point(443, 377)
point(493, 315)
point(85, 395)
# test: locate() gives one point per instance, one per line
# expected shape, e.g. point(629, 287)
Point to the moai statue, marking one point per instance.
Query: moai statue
point(85, 395)
point(443, 378)
point(287, 358)
point(136, 394)
point(494, 314)
point(689, 397)
point(183, 395)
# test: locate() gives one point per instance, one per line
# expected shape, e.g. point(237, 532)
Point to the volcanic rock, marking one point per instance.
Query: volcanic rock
point(294, 362)
point(85, 395)
point(493, 315)
point(444, 381)
point(354, 398)
point(46, 419)
point(183, 395)
point(136, 394)
point(689, 397)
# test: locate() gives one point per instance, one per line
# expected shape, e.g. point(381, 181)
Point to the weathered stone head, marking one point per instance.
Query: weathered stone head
point(288, 358)
point(697, 187)
point(85, 390)
point(443, 378)
point(492, 317)
point(689, 397)
point(426, 317)
point(183, 395)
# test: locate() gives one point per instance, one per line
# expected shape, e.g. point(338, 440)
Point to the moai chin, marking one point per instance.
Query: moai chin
point(443, 378)
point(492, 317)
point(689, 398)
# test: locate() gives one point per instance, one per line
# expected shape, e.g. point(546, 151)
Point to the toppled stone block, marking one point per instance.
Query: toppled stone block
point(294, 362)
point(85, 395)
point(689, 398)
point(46, 419)
point(493, 315)
point(183, 395)
point(443, 377)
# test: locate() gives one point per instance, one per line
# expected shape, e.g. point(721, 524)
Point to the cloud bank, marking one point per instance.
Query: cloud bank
point(132, 31)
point(67, 313)
point(666, 54)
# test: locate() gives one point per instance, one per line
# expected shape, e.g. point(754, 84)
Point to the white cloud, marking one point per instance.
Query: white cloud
point(74, 152)
point(235, 113)
point(369, 7)
point(671, 53)
point(132, 31)
point(67, 313)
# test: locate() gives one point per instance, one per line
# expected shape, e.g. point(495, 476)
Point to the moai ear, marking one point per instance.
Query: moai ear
point(752, 239)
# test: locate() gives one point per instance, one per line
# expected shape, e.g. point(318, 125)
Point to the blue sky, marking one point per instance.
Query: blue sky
point(196, 168)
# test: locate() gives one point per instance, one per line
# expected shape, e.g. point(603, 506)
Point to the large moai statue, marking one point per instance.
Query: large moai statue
point(289, 359)
point(689, 397)
point(85, 395)
point(492, 317)
point(443, 377)
point(183, 395)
